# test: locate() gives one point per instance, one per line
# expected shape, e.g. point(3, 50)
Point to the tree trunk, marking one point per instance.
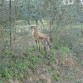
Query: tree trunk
point(42, 22)
point(28, 22)
point(36, 22)
point(50, 27)
point(81, 29)
point(10, 33)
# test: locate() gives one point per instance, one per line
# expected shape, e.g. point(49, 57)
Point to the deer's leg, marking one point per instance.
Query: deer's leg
point(45, 46)
point(34, 46)
point(45, 49)
point(37, 44)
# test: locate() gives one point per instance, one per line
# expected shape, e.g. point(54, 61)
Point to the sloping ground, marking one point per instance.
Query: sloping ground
point(55, 68)
point(69, 71)
point(63, 71)
point(41, 75)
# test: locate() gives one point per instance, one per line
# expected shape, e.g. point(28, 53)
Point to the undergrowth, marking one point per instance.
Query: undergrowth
point(13, 65)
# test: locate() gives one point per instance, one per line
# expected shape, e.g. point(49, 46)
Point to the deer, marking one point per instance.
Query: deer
point(40, 37)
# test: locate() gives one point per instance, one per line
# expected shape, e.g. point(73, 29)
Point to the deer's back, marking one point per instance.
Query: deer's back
point(41, 36)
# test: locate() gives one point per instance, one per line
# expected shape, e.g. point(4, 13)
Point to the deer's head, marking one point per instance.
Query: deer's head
point(34, 29)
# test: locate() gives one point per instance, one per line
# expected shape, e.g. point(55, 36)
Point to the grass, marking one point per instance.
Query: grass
point(16, 65)
point(12, 65)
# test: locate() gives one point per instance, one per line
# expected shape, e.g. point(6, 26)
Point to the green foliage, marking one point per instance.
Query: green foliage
point(66, 39)
point(56, 77)
point(16, 65)
point(64, 50)
point(82, 63)
point(13, 65)
point(6, 73)
point(71, 78)
point(54, 74)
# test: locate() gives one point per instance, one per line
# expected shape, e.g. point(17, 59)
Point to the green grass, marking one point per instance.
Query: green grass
point(55, 75)
point(13, 65)
point(16, 65)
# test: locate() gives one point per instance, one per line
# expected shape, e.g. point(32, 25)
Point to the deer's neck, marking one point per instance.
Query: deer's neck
point(34, 32)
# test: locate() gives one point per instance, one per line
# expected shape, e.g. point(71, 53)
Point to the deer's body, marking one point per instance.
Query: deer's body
point(40, 37)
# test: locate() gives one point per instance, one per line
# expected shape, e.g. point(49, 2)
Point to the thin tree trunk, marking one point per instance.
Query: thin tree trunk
point(50, 27)
point(81, 29)
point(36, 22)
point(28, 22)
point(42, 22)
point(10, 23)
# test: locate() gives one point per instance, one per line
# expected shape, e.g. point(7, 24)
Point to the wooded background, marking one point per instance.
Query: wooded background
point(62, 20)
